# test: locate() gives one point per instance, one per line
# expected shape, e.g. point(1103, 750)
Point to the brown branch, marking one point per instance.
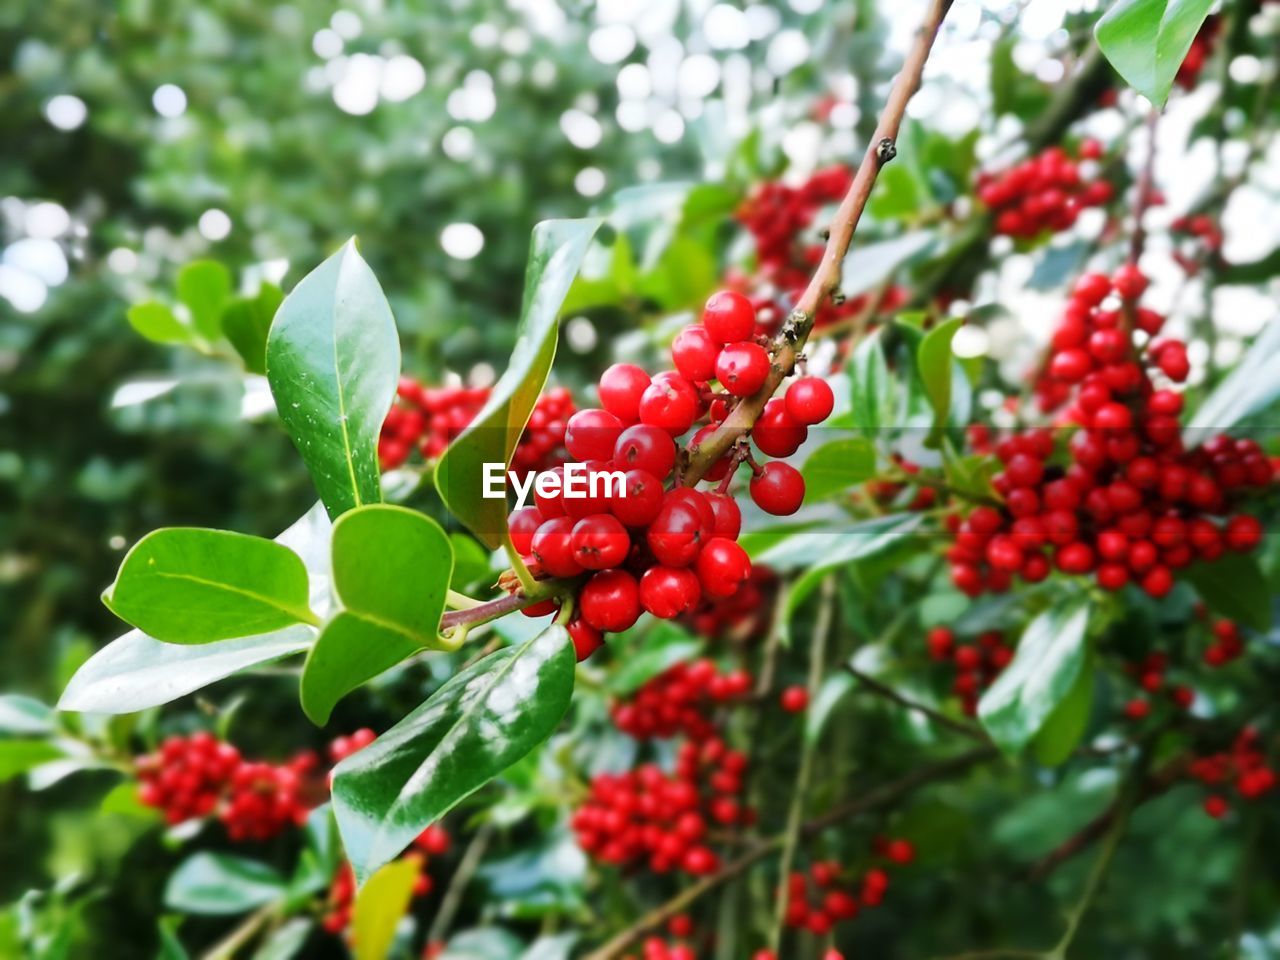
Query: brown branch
point(826, 279)
point(957, 726)
point(1146, 184)
point(484, 612)
point(1156, 784)
point(880, 797)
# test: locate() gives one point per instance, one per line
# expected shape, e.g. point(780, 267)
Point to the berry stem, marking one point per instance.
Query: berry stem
point(826, 279)
point(817, 656)
point(941, 719)
point(489, 610)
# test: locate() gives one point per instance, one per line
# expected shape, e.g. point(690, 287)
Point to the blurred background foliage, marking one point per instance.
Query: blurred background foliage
point(138, 136)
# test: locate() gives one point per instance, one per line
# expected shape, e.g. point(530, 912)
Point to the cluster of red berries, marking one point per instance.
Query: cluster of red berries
point(888, 492)
point(1227, 644)
point(1043, 193)
point(647, 817)
point(1150, 675)
point(1200, 239)
point(743, 617)
point(976, 664)
point(1243, 766)
point(433, 841)
point(817, 902)
point(646, 547)
point(675, 701)
point(201, 776)
point(428, 419)
point(680, 927)
point(1133, 504)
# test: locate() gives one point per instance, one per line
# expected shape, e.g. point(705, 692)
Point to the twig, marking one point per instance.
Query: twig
point(1146, 183)
point(466, 869)
point(489, 610)
point(880, 797)
point(243, 934)
point(817, 658)
point(826, 279)
point(958, 726)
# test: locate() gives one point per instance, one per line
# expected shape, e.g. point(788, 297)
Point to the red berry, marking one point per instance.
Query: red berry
point(940, 641)
point(600, 542)
point(641, 500)
point(552, 545)
point(1243, 532)
point(742, 368)
point(694, 353)
point(776, 433)
point(729, 317)
point(586, 638)
point(645, 447)
point(728, 516)
point(1216, 807)
point(1130, 282)
point(810, 400)
point(621, 387)
point(592, 434)
point(679, 531)
point(610, 601)
point(669, 402)
point(667, 592)
point(778, 489)
point(794, 699)
point(1070, 365)
point(522, 524)
point(722, 567)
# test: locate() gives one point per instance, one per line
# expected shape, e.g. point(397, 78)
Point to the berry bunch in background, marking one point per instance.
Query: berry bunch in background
point(1044, 193)
point(1198, 54)
point(200, 776)
point(976, 665)
point(676, 701)
point(827, 895)
point(657, 545)
point(1243, 768)
point(1151, 675)
point(1199, 240)
point(1127, 500)
point(743, 617)
point(428, 419)
point(649, 818)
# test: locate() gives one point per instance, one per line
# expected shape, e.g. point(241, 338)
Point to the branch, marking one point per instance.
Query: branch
point(1146, 183)
point(881, 797)
point(489, 610)
point(875, 686)
point(466, 869)
point(826, 279)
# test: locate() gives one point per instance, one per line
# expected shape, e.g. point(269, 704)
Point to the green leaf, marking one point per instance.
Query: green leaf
point(935, 365)
point(214, 884)
point(872, 386)
point(379, 907)
point(25, 715)
point(391, 570)
point(832, 691)
point(1050, 656)
point(871, 264)
point(135, 671)
point(189, 585)
point(481, 721)
point(1253, 386)
point(205, 286)
point(157, 323)
point(836, 466)
point(667, 645)
point(246, 322)
point(1147, 40)
point(1062, 731)
point(1234, 586)
point(122, 800)
point(19, 756)
point(284, 943)
point(333, 361)
point(554, 260)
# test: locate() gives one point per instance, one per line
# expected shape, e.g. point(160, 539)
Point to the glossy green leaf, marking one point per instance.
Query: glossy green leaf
point(481, 721)
point(833, 689)
point(205, 286)
point(135, 671)
point(1147, 40)
point(156, 322)
point(1234, 586)
point(1253, 386)
point(189, 585)
point(556, 255)
point(837, 466)
point(333, 361)
point(380, 906)
point(872, 386)
point(246, 322)
point(285, 942)
point(391, 570)
point(935, 364)
point(1050, 656)
point(213, 884)
point(1061, 733)
point(19, 756)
